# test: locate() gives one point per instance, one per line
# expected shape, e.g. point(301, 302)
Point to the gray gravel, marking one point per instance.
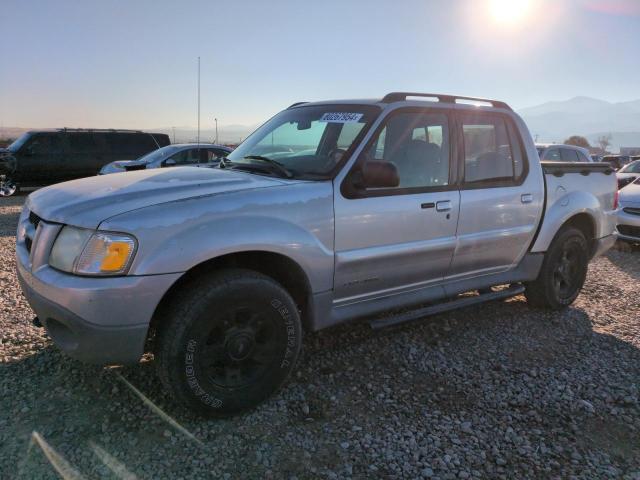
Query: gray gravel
point(496, 391)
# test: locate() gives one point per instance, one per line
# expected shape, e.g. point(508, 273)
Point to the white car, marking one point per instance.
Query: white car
point(554, 152)
point(629, 212)
point(628, 173)
point(183, 154)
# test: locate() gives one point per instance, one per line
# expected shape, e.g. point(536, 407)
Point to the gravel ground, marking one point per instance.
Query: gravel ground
point(496, 391)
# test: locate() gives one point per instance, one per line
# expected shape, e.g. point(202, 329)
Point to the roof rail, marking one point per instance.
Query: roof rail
point(400, 96)
point(116, 130)
point(296, 104)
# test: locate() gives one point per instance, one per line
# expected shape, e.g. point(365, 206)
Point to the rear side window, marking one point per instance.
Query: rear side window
point(131, 145)
point(82, 143)
point(582, 157)
point(492, 152)
point(569, 155)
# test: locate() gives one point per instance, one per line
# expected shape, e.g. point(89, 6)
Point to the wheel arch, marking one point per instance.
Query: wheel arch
point(277, 266)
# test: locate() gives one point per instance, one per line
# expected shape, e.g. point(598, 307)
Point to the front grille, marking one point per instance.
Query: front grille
point(629, 231)
point(34, 219)
point(631, 210)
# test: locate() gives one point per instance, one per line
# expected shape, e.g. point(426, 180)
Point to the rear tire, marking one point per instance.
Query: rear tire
point(563, 271)
point(227, 342)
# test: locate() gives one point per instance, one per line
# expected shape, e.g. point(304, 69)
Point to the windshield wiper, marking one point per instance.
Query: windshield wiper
point(277, 165)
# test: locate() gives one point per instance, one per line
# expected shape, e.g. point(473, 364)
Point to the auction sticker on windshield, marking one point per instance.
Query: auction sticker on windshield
point(341, 117)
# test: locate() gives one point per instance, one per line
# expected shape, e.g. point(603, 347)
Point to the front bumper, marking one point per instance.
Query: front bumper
point(96, 320)
point(629, 224)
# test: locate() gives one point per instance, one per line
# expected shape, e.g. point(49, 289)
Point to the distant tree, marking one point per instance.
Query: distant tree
point(604, 141)
point(578, 141)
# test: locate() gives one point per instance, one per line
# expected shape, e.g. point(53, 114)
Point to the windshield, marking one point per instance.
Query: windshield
point(159, 154)
point(304, 142)
point(15, 146)
point(633, 167)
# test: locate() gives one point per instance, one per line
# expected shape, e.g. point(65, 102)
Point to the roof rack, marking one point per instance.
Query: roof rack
point(400, 96)
point(116, 130)
point(296, 104)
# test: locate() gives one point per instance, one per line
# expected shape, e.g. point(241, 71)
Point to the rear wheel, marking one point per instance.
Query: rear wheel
point(8, 187)
point(228, 342)
point(563, 271)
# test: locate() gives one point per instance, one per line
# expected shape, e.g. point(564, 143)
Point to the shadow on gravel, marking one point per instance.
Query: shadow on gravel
point(567, 392)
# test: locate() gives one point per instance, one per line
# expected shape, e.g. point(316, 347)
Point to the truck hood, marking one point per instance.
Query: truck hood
point(89, 201)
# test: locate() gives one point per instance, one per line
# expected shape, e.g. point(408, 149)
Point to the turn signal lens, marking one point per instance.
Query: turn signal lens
point(106, 254)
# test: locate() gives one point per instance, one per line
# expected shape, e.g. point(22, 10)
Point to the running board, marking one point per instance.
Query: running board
point(445, 307)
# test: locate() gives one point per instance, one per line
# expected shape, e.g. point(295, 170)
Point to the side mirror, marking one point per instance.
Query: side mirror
point(169, 162)
point(376, 174)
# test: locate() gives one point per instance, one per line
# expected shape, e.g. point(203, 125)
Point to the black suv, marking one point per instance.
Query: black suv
point(46, 157)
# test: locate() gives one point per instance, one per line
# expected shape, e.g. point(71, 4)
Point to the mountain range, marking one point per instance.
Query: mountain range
point(548, 122)
point(589, 117)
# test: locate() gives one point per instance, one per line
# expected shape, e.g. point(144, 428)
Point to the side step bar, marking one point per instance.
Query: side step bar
point(412, 315)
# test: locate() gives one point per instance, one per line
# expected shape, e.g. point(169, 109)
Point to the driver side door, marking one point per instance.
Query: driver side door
point(399, 239)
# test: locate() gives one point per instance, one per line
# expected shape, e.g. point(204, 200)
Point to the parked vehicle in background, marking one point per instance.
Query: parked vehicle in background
point(44, 157)
point(628, 173)
point(616, 161)
point(183, 154)
point(595, 157)
point(629, 213)
point(364, 207)
point(553, 152)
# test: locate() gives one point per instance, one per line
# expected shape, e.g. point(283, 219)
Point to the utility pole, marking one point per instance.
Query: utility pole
point(174, 134)
point(216, 120)
point(198, 100)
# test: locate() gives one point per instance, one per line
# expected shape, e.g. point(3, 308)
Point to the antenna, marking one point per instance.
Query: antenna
point(198, 100)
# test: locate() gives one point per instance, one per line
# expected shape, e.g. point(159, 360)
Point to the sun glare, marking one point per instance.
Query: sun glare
point(509, 11)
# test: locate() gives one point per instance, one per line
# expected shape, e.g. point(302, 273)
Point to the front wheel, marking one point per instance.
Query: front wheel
point(8, 187)
point(563, 271)
point(228, 341)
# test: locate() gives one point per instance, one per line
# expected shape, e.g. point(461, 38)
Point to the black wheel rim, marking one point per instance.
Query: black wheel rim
point(241, 346)
point(566, 275)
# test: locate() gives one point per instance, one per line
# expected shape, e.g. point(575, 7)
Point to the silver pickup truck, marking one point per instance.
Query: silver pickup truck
point(328, 212)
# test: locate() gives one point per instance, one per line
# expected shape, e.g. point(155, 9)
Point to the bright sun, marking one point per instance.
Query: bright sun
point(509, 11)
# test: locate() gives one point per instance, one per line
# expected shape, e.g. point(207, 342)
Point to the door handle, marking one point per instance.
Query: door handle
point(443, 205)
point(526, 198)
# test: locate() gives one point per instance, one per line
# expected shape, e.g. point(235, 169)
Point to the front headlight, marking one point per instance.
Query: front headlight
point(87, 252)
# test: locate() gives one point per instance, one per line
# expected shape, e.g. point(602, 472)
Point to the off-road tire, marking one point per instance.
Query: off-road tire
point(227, 342)
point(545, 291)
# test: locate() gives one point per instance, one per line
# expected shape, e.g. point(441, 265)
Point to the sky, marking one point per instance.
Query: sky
point(133, 64)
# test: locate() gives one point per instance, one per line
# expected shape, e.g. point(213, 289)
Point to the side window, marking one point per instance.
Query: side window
point(553, 155)
point(418, 145)
point(186, 157)
point(582, 157)
point(348, 133)
point(569, 155)
point(489, 155)
point(45, 144)
point(82, 143)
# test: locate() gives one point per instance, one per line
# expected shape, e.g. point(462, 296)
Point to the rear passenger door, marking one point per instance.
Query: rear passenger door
point(500, 200)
